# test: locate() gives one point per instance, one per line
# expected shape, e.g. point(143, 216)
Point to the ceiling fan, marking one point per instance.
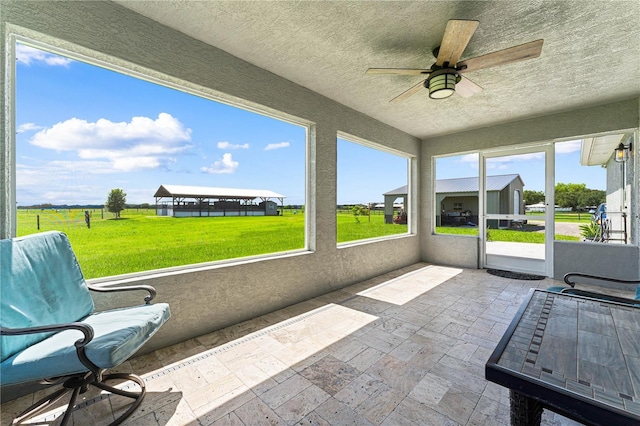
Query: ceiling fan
point(445, 78)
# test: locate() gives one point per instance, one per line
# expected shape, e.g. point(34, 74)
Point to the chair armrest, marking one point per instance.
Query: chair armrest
point(600, 296)
point(80, 344)
point(86, 329)
point(147, 299)
point(567, 279)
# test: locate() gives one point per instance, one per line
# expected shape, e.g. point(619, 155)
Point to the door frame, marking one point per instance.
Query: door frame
point(549, 174)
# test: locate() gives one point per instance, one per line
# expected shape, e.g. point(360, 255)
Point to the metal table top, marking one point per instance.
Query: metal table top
point(577, 356)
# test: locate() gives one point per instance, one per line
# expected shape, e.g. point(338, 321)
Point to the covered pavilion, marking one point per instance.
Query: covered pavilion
point(184, 201)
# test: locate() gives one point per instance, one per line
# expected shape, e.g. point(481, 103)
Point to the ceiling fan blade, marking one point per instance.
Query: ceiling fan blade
point(398, 71)
point(467, 88)
point(456, 37)
point(513, 54)
point(404, 95)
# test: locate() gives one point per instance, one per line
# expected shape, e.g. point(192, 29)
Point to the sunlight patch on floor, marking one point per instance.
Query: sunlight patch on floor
point(409, 286)
point(214, 377)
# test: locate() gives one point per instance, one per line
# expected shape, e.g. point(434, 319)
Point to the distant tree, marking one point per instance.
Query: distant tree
point(568, 194)
point(358, 210)
point(145, 206)
point(116, 201)
point(592, 197)
point(533, 197)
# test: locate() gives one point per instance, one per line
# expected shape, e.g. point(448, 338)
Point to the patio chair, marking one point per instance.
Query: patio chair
point(50, 332)
point(569, 279)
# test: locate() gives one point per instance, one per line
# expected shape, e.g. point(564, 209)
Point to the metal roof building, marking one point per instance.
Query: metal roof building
point(466, 184)
point(187, 201)
point(217, 193)
point(471, 184)
point(458, 195)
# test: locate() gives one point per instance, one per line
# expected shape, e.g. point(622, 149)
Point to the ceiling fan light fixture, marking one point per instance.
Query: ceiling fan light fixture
point(442, 83)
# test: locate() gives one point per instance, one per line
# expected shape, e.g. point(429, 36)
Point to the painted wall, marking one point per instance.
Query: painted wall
point(620, 196)
point(592, 120)
point(209, 297)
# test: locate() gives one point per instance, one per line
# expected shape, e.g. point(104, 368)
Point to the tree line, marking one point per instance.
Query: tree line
point(574, 195)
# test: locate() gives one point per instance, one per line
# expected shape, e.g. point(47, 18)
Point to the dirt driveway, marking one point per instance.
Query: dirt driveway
point(562, 228)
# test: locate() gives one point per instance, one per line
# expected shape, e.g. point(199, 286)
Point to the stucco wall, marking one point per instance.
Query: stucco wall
point(592, 120)
point(613, 260)
point(209, 297)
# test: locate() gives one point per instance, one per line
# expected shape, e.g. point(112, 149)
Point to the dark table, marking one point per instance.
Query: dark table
point(576, 356)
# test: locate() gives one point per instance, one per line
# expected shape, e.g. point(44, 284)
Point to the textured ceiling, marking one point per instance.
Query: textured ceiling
point(591, 52)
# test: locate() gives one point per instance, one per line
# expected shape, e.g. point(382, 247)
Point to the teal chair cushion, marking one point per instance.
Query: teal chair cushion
point(41, 284)
point(118, 334)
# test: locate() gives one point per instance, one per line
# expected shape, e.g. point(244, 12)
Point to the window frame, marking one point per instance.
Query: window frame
point(434, 195)
point(8, 215)
point(410, 208)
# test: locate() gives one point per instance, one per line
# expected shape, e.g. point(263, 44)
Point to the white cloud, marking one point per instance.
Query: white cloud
point(28, 55)
point(497, 166)
point(229, 145)
point(64, 171)
point(76, 182)
point(133, 163)
point(26, 127)
point(276, 146)
point(501, 162)
point(568, 147)
point(143, 143)
point(470, 158)
point(226, 165)
point(82, 167)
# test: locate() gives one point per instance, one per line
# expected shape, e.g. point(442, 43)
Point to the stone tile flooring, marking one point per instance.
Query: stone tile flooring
point(405, 348)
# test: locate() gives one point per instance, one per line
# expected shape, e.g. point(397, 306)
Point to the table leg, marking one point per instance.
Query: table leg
point(525, 411)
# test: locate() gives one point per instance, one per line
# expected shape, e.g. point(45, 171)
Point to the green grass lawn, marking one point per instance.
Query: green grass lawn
point(509, 235)
point(366, 227)
point(141, 241)
point(572, 217)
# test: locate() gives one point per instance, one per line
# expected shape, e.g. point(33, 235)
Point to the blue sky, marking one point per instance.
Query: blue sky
point(364, 173)
point(84, 130)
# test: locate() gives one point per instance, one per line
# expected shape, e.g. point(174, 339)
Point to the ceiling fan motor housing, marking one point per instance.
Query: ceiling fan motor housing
point(442, 82)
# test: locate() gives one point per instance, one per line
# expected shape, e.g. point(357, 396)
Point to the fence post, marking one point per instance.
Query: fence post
point(38, 221)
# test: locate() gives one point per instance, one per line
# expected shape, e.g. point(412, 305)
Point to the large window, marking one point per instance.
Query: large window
point(372, 192)
point(456, 194)
point(201, 180)
point(594, 194)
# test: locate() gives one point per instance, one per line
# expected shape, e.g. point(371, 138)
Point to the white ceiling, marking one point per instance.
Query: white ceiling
point(591, 52)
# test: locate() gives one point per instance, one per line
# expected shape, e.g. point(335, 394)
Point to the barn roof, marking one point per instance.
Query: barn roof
point(211, 192)
point(468, 184)
point(398, 191)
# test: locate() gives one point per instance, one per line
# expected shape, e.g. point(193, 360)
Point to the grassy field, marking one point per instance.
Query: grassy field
point(565, 217)
point(141, 241)
point(509, 235)
point(367, 227)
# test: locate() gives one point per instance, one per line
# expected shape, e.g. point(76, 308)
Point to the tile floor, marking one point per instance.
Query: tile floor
point(405, 348)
